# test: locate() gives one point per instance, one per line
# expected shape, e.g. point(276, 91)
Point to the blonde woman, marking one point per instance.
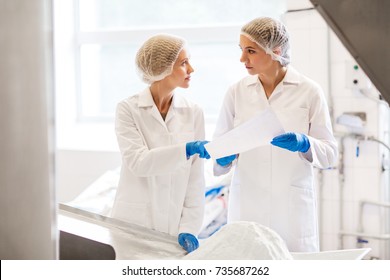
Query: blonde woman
point(160, 136)
point(274, 185)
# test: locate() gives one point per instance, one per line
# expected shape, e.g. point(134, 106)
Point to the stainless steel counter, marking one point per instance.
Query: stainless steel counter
point(101, 235)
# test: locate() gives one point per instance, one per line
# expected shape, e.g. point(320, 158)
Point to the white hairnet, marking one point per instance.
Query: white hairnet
point(156, 57)
point(271, 35)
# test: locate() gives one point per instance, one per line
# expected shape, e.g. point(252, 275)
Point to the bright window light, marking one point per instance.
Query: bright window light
point(96, 42)
point(110, 33)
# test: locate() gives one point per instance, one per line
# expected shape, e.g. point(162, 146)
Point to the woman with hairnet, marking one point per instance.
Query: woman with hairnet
point(161, 184)
point(273, 184)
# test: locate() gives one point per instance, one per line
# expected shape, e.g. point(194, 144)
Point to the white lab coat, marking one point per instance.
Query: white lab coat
point(159, 188)
point(271, 185)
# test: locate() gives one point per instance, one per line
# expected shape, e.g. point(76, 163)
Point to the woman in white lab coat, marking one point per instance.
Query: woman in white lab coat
point(273, 184)
point(161, 185)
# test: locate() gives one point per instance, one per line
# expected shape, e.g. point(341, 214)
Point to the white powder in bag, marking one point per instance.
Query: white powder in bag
point(242, 241)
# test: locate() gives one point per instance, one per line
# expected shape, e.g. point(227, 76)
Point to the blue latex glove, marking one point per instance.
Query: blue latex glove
point(226, 160)
point(292, 141)
point(197, 147)
point(188, 241)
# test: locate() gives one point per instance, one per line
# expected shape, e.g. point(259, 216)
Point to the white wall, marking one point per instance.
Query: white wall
point(363, 175)
point(309, 45)
point(77, 169)
point(319, 54)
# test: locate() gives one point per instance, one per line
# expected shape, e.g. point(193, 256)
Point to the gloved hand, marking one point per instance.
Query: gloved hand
point(197, 147)
point(188, 241)
point(292, 141)
point(226, 160)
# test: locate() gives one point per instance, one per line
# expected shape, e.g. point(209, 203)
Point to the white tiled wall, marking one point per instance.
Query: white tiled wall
point(308, 45)
point(318, 53)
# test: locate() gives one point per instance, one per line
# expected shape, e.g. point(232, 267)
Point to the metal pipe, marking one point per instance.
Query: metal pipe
point(341, 186)
point(362, 234)
point(361, 207)
point(342, 180)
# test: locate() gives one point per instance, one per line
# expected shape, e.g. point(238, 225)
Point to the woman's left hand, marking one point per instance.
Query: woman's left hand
point(295, 142)
point(188, 241)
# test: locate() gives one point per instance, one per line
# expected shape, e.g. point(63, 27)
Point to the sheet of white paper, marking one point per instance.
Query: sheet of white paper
point(255, 132)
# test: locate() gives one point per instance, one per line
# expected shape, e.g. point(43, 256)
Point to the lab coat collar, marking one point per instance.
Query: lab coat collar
point(291, 77)
point(179, 101)
point(145, 99)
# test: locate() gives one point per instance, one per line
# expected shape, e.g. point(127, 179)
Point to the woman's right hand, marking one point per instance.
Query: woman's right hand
point(197, 147)
point(225, 161)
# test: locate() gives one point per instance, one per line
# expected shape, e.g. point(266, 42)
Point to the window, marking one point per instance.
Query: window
point(110, 32)
point(96, 43)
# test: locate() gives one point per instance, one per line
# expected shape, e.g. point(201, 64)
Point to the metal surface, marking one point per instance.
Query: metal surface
point(100, 237)
point(129, 241)
point(349, 254)
point(364, 29)
point(75, 247)
point(27, 200)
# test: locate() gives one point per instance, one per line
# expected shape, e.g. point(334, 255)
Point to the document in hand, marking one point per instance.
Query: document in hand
point(255, 132)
